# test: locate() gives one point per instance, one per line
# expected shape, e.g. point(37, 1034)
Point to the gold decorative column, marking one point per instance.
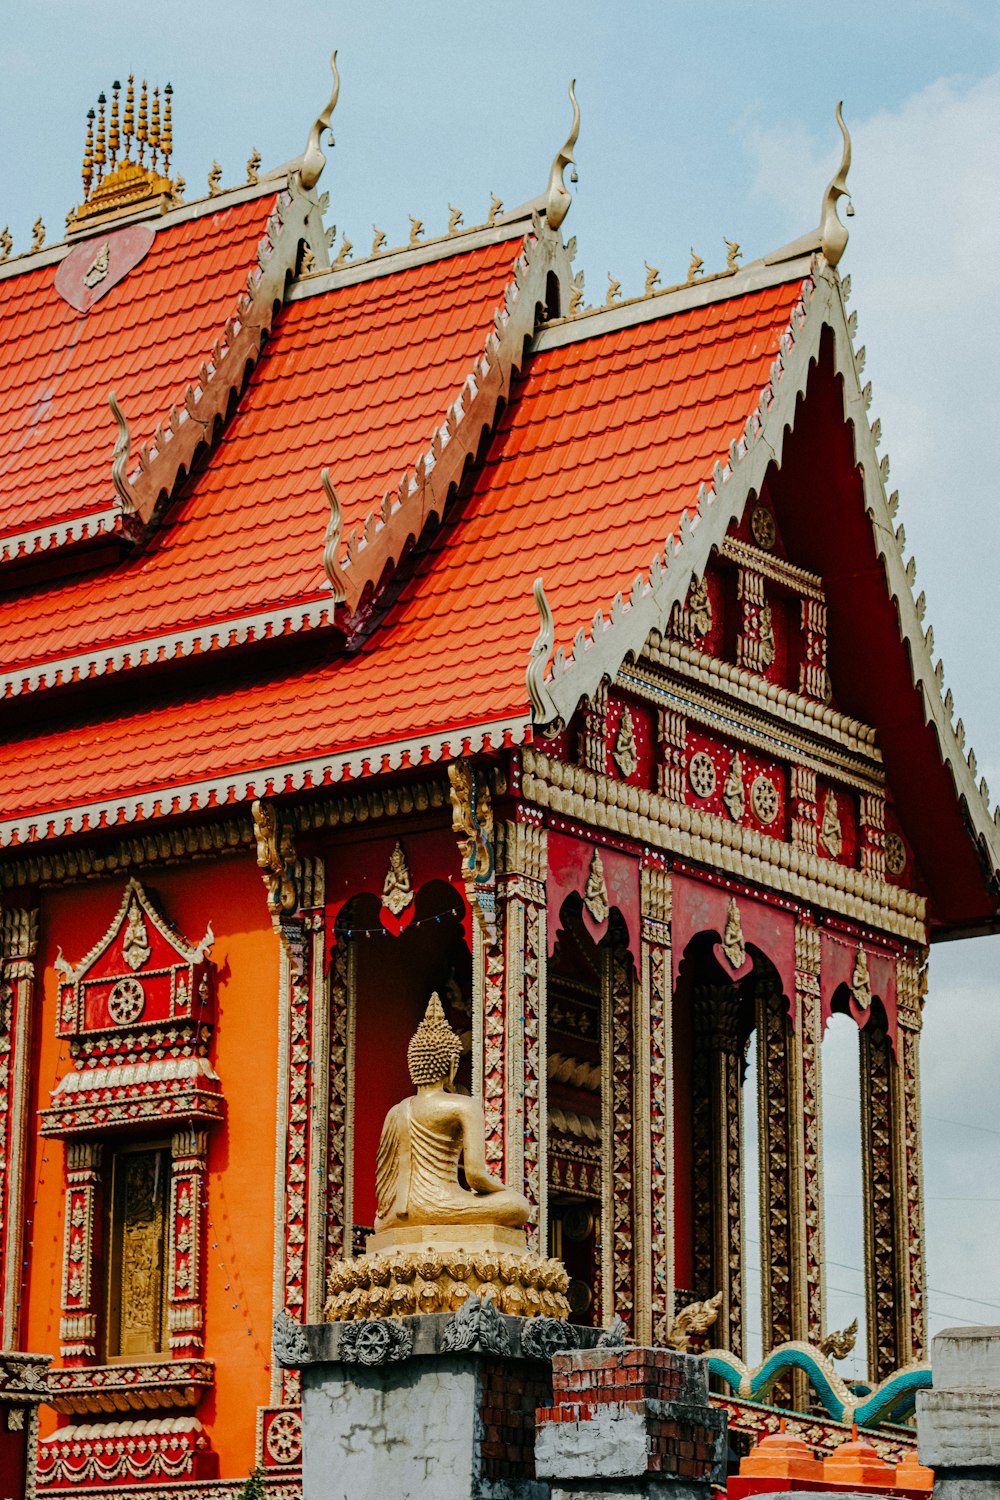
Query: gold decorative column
point(911, 985)
point(18, 944)
point(653, 1155)
point(186, 1243)
point(778, 1078)
point(619, 1187)
point(717, 1174)
point(521, 889)
point(806, 1101)
point(890, 1145)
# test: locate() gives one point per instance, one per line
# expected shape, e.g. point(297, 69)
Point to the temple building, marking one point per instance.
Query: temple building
point(386, 621)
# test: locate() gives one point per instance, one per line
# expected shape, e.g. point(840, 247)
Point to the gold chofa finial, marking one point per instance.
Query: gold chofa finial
point(117, 179)
point(558, 197)
point(312, 161)
point(833, 234)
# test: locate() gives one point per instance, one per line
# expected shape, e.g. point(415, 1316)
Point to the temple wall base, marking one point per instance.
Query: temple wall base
point(958, 1422)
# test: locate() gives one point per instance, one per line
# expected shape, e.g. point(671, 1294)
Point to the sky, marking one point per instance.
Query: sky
point(699, 122)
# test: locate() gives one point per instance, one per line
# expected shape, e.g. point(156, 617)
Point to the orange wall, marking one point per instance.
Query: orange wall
point(230, 895)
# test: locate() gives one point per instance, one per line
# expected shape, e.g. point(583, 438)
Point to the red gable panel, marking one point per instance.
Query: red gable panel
point(604, 444)
point(356, 379)
point(144, 339)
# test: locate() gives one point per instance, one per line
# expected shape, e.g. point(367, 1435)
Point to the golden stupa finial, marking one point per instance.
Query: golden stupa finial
point(154, 128)
point(88, 156)
point(141, 131)
point(166, 133)
point(128, 123)
point(114, 138)
point(116, 180)
point(100, 150)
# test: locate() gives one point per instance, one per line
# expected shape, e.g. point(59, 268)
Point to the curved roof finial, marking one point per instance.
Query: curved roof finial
point(558, 198)
point(331, 541)
point(312, 160)
point(544, 641)
point(833, 234)
point(119, 463)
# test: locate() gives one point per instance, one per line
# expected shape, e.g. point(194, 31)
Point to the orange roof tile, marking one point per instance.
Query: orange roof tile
point(356, 378)
point(144, 339)
point(581, 486)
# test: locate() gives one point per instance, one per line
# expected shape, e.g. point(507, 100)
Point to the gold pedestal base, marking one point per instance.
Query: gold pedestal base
point(435, 1268)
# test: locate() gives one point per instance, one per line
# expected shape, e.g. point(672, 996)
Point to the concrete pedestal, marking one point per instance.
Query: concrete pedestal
point(630, 1422)
point(958, 1422)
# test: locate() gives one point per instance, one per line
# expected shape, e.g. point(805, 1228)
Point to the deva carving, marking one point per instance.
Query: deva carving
point(138, 1011)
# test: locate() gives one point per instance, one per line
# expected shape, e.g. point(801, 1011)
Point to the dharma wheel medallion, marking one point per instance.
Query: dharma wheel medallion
point(764, 799)
point(702, 774)
point(126, 1002)
point(895, 854)
point(762, 527)
point(284, 1438)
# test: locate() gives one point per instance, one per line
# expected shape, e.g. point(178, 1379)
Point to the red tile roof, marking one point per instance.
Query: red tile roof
point(604, 443)
point(356, 378)
point(144, 339)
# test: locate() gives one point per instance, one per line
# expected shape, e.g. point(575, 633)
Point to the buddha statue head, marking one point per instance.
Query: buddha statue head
point(434, 1050)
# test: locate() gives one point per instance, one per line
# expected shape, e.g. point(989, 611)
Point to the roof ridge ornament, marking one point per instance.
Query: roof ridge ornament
point(312, 161)
point(119, 463)
point(558, 196)
point(544, 641)
point(833, 234)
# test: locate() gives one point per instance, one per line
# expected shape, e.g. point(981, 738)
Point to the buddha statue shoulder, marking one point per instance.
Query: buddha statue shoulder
point(427, 1137)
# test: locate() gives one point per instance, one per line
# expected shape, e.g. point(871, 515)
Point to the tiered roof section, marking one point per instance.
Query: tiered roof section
point(492, 465)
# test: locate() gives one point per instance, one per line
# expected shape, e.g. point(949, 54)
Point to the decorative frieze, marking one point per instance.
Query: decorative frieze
point(185, 1242)
point(618, 1127)
point(146, 1386)
point(653, 1166)
point(814, 679)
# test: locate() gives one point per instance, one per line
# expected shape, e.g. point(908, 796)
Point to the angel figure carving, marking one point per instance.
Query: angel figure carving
point(426, 1136)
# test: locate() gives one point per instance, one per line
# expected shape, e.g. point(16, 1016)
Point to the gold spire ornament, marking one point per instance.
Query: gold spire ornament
point(454, 218)
point(6, 244)
point(416, 230)
point(117, 180)
point(253, 169)
point(214, 179)
point(733, 254)
point(496, 208)
point(37, 234)
point(378, 243)
point(558, 197)
point(652, 278)
point(696, 267)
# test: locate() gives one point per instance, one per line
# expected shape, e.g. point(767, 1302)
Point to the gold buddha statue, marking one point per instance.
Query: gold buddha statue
point(424, 1139)
point(438, 1239)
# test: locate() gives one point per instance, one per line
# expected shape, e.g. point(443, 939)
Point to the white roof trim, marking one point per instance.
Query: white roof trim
point(600, 320)
point(267, 781)
point(391, 262)
point(142, 651)
point(59, 533)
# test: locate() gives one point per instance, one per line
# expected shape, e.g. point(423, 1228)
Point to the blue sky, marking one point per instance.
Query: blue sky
point(699, 122)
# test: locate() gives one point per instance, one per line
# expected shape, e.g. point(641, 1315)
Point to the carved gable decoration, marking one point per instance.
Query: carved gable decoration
point(142, 973)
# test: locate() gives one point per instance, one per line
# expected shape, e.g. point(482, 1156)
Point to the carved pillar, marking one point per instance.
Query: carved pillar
point(339, 1227)
point(19, 940)
point(777, 1086)
point(295, 897)
point(911, 983)
point(814, 681)
point(654, 1091)
point(186, 1243)
point(808, 1251)
point(805, 820)
point(78, 1331)
point(886, 1160)
point(521, 887)
point(618, 1128)
point(718, 1134)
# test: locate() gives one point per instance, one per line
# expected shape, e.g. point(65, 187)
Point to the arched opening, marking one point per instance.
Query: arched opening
point(574, 1102)
point(553, 297)
point(843, 1186)
point(390, 980)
